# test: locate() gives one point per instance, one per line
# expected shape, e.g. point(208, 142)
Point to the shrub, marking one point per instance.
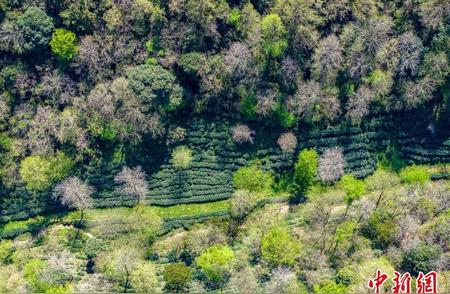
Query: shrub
point(422, 258)
point(381, 228)
point(6, 251)
point(242, 202)
point(63, 44)
point(181, 157)
point(414, 175)
point(287, 142)
point(284, 280)
point(39, 173)
point(177, 276)
point(304, 173)
point(253, 179)
point(278, 248)
point(330, 287)
point(216, 262)
point(143, 279)
point(119, 263)
point(242, 134)
point(353, 188)
point(31, 273)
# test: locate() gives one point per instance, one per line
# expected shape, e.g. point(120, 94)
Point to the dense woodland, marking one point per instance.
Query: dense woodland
point(110, 103)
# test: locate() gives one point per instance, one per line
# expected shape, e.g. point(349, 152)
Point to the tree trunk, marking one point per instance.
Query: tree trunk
point(125, 287)
point(379, 199)
point(79, 226)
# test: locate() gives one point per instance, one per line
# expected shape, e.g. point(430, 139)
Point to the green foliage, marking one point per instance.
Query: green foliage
point(36, 27)
point(192, 62)
point(353, 188)
point(252, 178)
point(381, 180)
point(15, 228)
point(181, 157)
point(156, 86)
point(248, 104)
point(31, 273)
point(176, 276)
point(63, 44)
point(330, 287)
point(381, 227)
point(422, 258)
point(6, 251)
point(273, 34)
point(304, 173)
point(391, 160)
point(286, 119)
point(278, 248)
point(345, 231)
point(216, 262)
point(5, 142)
point(235, 17)
point(39, 173)
point(415, 175)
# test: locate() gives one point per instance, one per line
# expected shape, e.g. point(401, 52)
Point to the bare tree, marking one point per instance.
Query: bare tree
point(93, 283)
point(176, 135)
point(4, 107)
point(43, 129)
point(410, 48)
point(242, 202)
point(91, 57)
point(380, 181)
point(132, 182)
point(326, 60)
point(312, 102)
point(434, 13)
point(307, 96)
point(331, 165)
point(237, 60)
point(359, 102)
point(56, 86)
point(266, 102)
point(62, 268)
point(242, 134)
point(74, 193)
point(11, 37)
point(283, 280)
point(287, 142)
point(374, 32)
point(418, 92)
point(290, 73)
